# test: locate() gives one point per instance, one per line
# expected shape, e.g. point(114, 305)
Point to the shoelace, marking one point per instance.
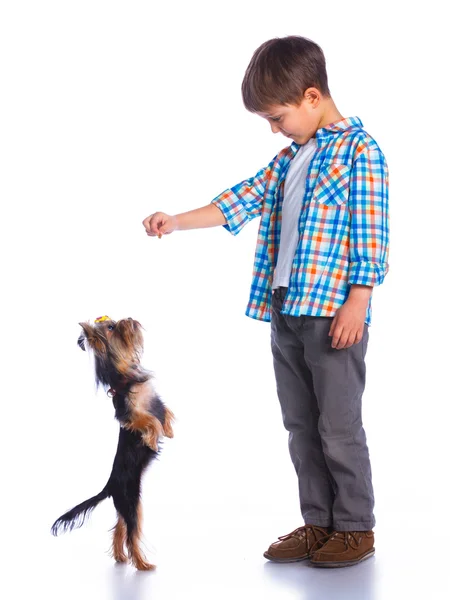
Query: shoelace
point(347, 537)
point(305, 530)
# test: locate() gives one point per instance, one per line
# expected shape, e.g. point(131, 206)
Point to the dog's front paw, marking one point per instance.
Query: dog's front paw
point(150, 439)
point(167, 428)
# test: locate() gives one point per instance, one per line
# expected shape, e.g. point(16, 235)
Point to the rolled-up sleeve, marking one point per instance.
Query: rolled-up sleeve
point(243, 202)
point(369, 219)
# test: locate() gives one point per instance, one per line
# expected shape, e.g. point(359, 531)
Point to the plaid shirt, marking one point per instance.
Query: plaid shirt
point(343, 224)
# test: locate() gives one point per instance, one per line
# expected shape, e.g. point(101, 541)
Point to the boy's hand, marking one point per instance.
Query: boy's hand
point(159, 224)
point(347, 327)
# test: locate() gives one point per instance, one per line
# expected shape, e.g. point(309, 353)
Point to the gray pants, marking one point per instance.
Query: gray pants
point(320, 390)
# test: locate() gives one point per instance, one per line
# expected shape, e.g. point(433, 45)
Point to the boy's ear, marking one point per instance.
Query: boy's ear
point(313, 96)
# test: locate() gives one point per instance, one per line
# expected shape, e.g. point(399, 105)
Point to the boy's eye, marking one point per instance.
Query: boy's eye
point(276, 118)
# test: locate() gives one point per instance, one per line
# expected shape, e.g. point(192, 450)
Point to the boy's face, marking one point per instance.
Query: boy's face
point(299, 123)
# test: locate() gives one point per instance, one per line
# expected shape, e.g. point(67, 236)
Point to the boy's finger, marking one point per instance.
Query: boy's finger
point(336, 337)
point(333, 325)
point(146, 222)
point(154, 228)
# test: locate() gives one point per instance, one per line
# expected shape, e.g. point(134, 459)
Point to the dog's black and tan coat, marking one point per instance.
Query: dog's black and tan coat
point(143, 418)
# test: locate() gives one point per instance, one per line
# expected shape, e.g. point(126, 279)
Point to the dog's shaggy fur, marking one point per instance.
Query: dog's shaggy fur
point(143, 419)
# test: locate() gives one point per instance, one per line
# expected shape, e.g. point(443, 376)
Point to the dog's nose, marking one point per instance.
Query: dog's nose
point(81, 342)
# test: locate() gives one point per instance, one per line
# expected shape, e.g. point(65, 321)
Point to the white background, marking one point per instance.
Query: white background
point(113, 110)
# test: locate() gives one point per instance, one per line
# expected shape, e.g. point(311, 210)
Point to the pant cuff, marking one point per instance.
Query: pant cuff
point(318, 522)
point(354, 525)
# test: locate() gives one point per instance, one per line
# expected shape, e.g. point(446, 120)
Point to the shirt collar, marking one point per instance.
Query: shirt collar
point(324, 132)
point(338, 126)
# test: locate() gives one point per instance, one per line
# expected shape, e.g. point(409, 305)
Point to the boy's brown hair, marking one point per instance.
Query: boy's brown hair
point(281, 70)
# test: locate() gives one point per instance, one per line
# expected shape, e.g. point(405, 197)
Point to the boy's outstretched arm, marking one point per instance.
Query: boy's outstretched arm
point(233, 208)
point(243, 202)
point(160, 223)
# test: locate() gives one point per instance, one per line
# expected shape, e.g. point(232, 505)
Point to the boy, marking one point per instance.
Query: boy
point(322, 246)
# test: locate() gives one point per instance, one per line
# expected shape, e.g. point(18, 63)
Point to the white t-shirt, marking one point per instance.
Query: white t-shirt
point(294, 191)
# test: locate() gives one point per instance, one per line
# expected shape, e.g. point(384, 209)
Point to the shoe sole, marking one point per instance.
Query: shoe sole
point(284, 560)
point(347, 563)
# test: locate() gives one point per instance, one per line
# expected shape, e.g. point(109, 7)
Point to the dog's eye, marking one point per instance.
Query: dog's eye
point(110, 327)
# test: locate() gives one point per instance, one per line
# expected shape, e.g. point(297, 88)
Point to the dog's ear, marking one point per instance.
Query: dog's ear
point(93, 337)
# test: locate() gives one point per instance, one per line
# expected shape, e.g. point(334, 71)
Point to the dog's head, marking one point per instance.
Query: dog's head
point(117, 346)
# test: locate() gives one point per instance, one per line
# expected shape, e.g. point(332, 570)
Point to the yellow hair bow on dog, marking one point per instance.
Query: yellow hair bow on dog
point(101, 319)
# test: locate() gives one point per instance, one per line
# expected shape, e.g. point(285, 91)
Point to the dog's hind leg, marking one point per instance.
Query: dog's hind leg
point(128, 505)
point(119, 538)
point(134, 532)
point(134, 536)
point(125, 483)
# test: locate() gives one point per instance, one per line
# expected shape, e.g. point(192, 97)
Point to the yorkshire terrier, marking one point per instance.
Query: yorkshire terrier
point(143, 418)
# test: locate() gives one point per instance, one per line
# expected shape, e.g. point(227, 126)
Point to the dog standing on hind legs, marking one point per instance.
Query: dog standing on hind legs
point(143, 418)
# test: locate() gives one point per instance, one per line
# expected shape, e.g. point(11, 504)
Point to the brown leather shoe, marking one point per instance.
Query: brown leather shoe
point(343, 549)
point(296, 546)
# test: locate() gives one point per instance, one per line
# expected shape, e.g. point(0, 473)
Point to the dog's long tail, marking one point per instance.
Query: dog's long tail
point(78, 514)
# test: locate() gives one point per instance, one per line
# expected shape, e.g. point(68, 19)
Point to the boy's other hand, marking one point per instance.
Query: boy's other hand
point(159, 224)
point(347, 327)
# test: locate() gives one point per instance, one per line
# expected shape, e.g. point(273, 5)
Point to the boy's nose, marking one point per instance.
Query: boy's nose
point(274, 127)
